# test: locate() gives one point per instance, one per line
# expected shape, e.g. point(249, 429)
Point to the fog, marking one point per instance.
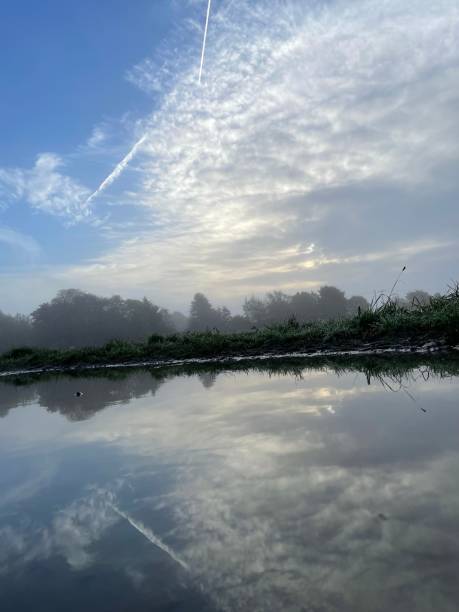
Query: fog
point(76, 319)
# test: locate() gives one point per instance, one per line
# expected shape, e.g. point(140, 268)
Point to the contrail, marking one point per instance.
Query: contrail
point(128, 158)
point(204, 41)
point(118, 169)
point(151, 537)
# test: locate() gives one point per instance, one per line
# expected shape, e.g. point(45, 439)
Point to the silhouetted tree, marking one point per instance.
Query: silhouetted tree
point(305, 306)
point(223, 318)
point(278, 307)
point(332, 303)
point(255, 311)
point(202, 314)
point(204, 317)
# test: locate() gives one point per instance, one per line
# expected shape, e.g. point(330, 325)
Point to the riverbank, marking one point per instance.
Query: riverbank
point(387, 328)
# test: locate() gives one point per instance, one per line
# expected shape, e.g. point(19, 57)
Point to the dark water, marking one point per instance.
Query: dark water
point(242, 491)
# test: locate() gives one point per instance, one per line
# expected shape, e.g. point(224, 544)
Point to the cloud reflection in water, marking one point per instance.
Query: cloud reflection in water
point(321, 493)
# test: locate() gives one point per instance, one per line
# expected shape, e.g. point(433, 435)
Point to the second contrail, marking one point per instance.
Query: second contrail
point(119, 168)
point(204, 41)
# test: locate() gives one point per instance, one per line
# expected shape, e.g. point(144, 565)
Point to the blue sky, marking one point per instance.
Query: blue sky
point(64, 63)
point(321, 147)
point(63, 67)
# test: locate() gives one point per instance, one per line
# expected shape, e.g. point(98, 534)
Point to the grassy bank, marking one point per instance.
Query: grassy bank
point(385, 325)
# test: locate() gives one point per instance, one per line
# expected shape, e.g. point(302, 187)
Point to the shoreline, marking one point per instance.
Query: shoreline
point(365, 350)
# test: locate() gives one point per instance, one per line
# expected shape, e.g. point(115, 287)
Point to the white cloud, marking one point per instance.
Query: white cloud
point(76, 527)
point(45, 188)
point(71, 533)
point(98, 136)
point(330, 124)
point(297, 106)
point(276, 485)
point(275, 488)
point(146, 76)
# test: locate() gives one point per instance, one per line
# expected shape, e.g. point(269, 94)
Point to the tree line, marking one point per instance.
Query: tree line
point(76, 319)
point(327, 303)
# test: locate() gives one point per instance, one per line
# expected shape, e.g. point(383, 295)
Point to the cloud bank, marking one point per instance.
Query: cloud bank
point(313, 126)
point(321, 147)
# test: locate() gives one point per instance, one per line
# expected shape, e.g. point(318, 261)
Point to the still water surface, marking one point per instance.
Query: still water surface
point(237, 491)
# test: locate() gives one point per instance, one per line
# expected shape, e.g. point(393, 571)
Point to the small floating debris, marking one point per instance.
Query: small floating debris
point(382, 517)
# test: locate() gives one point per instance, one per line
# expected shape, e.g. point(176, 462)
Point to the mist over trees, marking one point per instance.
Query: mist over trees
point(203, 316)
point(14, 331)
point(75, 318)
point(328, 303)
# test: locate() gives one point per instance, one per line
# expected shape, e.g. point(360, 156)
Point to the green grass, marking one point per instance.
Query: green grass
point(386, 324)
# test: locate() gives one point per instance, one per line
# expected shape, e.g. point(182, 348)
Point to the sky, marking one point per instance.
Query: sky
point(321, 147)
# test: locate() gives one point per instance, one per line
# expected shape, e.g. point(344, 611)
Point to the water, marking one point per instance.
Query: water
point(244, 491)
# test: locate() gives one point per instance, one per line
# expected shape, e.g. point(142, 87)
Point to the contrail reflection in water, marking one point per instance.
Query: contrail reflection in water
point(150, 536)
